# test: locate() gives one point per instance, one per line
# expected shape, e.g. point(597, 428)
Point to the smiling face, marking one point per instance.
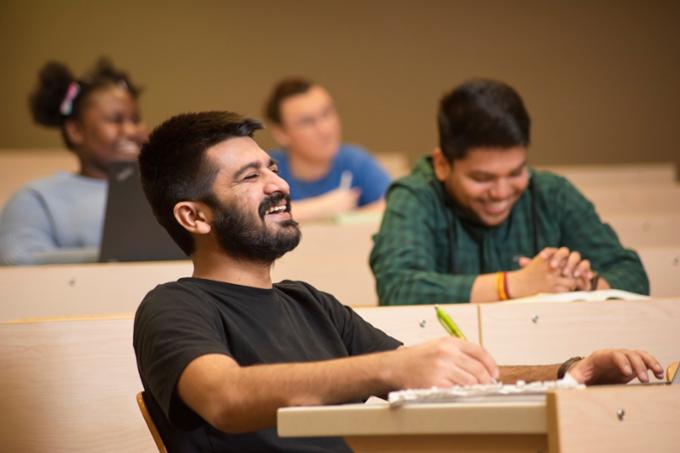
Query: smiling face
point(109, 128)
point(310, 126)
point(250, 203)
point(487, 182)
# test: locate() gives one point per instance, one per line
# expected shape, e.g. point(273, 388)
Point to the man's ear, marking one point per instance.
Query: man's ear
point(74, 131)
point(280, 135)
point(193, 216)
point(440, 164)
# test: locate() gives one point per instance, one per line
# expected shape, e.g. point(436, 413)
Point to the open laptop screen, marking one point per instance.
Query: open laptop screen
point(131, 232)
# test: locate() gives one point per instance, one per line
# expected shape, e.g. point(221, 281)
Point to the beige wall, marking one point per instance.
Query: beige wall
point(601, 78)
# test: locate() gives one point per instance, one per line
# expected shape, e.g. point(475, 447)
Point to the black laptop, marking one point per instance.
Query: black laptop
point(131, 232)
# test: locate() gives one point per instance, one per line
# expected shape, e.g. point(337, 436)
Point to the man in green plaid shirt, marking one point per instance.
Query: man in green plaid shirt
point(473, 222)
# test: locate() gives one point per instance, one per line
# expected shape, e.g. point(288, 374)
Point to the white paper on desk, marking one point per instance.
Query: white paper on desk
point(482, 393)
point(574, 296)
point(376, 400)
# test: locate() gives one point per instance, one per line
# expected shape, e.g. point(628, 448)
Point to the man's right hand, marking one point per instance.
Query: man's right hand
point(442, 362)
point(545, 273)
point(340, 200)
point(569, 264)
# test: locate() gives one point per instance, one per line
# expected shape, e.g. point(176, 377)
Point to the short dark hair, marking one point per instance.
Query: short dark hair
point(54, 82)
point(173, 166)
point(286, 88)
point(481, 113)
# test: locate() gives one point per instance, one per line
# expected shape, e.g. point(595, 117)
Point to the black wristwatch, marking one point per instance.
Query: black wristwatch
point(562, 370)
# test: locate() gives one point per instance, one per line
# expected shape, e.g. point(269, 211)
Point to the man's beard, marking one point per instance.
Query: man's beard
point(245, 237)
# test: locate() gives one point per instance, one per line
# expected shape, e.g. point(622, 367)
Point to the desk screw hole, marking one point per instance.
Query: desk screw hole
point(534, 319)
point(620, 414)
point(422, 323)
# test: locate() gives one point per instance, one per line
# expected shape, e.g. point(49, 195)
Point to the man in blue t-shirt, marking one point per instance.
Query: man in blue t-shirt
point(326, 177)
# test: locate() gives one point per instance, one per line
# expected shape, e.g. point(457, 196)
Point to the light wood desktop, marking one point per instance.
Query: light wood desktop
point(418, 323)
point(571, 421)
point(646, 200)
point(82, 289)
point(638, 173)
point(69, 386)
point(333, 258)
point(646, 230)
point(74, 290)
point(397, 164)
point(545, 332)
point(663, 268)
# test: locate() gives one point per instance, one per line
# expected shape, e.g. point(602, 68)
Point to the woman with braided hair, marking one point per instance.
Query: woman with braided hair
point(59, 219)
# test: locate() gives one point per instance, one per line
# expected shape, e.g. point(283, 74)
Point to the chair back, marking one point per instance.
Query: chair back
point(150, 423)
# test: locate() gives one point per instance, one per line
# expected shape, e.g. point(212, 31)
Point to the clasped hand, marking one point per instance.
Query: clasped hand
point(553, 270)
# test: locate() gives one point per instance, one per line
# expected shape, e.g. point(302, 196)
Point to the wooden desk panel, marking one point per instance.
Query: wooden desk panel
point(446, 427)
point(69, 386)
point(663, 268)
point(334, 259)
point(541, 333)
point(83, 289)
point(640, 230)
point(589, 421)
point(572, 421)
point(418, 323)
point(638, 173)
point(634, 199)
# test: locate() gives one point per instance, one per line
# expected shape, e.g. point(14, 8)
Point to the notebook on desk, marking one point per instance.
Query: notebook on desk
point(131, 232)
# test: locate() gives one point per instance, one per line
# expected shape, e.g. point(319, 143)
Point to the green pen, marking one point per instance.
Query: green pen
point(448, 324)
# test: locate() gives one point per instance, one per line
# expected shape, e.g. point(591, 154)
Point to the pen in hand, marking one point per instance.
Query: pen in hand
point(346, 180)
point(448, 324)
point(451, 328)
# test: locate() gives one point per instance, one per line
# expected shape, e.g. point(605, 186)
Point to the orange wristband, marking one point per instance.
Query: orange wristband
point(505, 286)
point(500, 286)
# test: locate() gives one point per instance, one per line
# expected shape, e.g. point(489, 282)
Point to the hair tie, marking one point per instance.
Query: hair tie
point(66, 107)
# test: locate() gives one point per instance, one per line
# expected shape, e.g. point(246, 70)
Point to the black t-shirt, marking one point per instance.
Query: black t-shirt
point(292, 322)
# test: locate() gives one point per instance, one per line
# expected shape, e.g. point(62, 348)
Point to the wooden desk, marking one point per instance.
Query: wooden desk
point(634, 199)
point(446, 427)
point(69, 386)
point(641, 230)
point(333, 258)
point(413, 324)
point(397, 164)
point(593, 175)
point(663, 268)
point(82, 289)
point(540, 333)
point(572, 421)
point(616, 419)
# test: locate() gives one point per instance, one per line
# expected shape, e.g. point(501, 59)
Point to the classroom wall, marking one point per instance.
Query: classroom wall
point(601, 78)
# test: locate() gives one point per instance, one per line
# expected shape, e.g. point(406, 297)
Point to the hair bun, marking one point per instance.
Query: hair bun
point(53, 82)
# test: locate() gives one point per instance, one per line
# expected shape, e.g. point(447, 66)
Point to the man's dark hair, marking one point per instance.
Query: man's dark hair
point(174, 168)
point(480, 114)
point(283, 90)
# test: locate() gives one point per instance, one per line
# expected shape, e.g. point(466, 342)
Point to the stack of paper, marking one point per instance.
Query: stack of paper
point(521, 391)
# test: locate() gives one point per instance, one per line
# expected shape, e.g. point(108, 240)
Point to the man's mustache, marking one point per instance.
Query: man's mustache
point(272, 201)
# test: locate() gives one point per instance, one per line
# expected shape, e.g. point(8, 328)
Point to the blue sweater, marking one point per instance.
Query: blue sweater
point(53, 220)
